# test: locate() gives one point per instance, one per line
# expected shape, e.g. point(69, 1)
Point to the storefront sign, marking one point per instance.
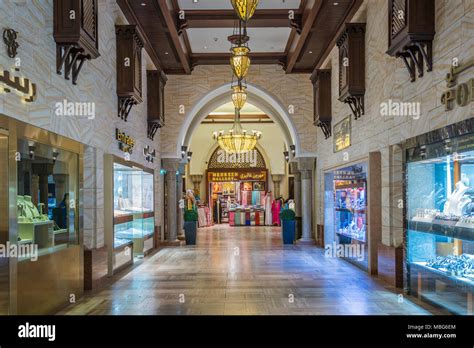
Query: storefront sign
point(126, 142)
point(342, 134)
point(461, 95)
point(21, 85)
point(237, 176)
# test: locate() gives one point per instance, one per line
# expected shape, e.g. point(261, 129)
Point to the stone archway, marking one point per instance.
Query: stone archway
point(256, 96)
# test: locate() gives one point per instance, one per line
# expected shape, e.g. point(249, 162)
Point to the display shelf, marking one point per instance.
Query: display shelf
point(463, 233)
point(353, 211)
point(362, 240)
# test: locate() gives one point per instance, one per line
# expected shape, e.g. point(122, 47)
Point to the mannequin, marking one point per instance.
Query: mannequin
point(268, 208)
point(458, 201)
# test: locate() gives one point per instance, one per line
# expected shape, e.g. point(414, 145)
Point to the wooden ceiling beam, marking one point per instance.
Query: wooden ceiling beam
point(132, 19)
point(309, 16)
point(227, 18)
point(356, 4)
point(223, 58)
point(173, 32)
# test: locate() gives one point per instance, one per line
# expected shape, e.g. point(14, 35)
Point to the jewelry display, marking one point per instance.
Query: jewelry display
point(461, 266)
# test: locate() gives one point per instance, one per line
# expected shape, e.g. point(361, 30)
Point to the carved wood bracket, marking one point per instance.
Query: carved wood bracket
point(71, 58)
point(416, 56)
point(356, 103)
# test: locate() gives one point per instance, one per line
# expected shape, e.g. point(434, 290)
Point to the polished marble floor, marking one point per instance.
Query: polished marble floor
point(244, 271)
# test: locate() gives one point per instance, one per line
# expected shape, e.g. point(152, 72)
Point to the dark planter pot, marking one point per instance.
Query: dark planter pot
point(288, 231)
point(190, 230)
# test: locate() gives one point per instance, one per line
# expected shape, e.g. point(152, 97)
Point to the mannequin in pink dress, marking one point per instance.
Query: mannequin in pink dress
point(276, 206)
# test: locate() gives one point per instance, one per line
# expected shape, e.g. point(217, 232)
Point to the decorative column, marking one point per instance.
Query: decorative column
point(305, 166)
point(180, 195)
point(196, 179)
point(276, 178)
point(297, 196)
point(171, 165)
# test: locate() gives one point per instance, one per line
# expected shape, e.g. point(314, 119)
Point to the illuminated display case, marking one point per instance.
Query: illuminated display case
point(134, 221)
point(440, 223)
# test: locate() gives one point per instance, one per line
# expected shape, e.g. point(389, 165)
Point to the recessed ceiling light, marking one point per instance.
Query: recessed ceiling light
point(143, 4)
point(166, 53)
point(310, 52)
point(335, 3)
point(195, 1)
point(205, 47)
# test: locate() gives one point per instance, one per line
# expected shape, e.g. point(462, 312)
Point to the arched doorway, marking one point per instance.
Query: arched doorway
point(257, 96)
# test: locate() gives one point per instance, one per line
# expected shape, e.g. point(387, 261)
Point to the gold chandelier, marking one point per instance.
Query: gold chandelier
point(244, 8)
point(240, 61)
point(239, 96)
point(238, 140)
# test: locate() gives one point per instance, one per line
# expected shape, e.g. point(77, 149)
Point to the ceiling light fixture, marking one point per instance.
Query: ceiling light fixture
point(240, 61)
point(244, 8)
point(239, 96)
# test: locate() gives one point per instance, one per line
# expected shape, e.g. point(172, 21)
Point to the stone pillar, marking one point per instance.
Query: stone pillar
point(276, 178)
point(180, 195)
point(305, 166)
point(171, 165)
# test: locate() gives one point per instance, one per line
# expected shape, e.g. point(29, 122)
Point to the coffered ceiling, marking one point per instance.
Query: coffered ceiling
point(178, 44)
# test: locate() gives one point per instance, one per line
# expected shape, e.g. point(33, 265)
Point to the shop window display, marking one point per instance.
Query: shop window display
point(47, 199)
point(346, 209)
point(133, 208)
point(440, 223)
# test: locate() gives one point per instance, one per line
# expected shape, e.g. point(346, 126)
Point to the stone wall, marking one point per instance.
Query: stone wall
point(187, 90)
point(387, 78)
point(97, 83)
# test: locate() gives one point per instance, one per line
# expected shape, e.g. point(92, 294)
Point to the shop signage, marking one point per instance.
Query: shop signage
point(21, 85)
point(342, 134)
point(126, 142)
point(9, 38)
point(461, 94)
point(149, 155)
point(237, 176)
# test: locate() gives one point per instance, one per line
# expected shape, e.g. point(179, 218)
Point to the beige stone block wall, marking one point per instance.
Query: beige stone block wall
point(187, 90)
point(97, 83)
point(387, 78)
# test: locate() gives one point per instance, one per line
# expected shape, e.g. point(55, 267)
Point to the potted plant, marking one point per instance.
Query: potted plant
point(190, 226)
point(288, 216)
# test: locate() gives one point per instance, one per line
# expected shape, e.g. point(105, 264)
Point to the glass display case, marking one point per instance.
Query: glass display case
point(440, 223)
point(134, 221)
point(47, 197)
point(346, 209)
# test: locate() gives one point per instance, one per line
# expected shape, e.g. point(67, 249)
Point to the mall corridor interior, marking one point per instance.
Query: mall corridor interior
point(237, 157)
point(243, 271)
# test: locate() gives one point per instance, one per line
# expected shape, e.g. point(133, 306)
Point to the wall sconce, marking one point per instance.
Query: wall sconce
point(183, 151)
point(423, 151)
point(287, 155)
point(55, 155)
point(31, 151)
point(293, 150)
point(162, 172)
point(190, 154)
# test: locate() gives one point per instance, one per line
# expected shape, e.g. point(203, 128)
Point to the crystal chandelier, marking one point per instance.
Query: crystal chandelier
point(244, 8)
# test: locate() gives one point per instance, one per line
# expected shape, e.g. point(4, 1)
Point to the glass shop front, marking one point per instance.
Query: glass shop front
point(346, 214)
point(130, 195)
point(440, 222)
point(40, 182)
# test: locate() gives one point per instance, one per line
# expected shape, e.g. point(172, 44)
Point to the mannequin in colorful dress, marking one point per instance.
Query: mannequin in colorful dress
point(268, 208)
point(276, 207)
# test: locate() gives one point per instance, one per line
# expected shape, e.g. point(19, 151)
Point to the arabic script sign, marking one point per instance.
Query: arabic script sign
point(19, 84)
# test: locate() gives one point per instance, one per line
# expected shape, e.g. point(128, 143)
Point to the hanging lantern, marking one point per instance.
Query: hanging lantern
point(244, 8)
point(239, 96)
point(240, 61)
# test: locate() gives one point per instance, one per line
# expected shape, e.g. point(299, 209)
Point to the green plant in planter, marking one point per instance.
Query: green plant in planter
point(190, 215)
point(287, 215)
